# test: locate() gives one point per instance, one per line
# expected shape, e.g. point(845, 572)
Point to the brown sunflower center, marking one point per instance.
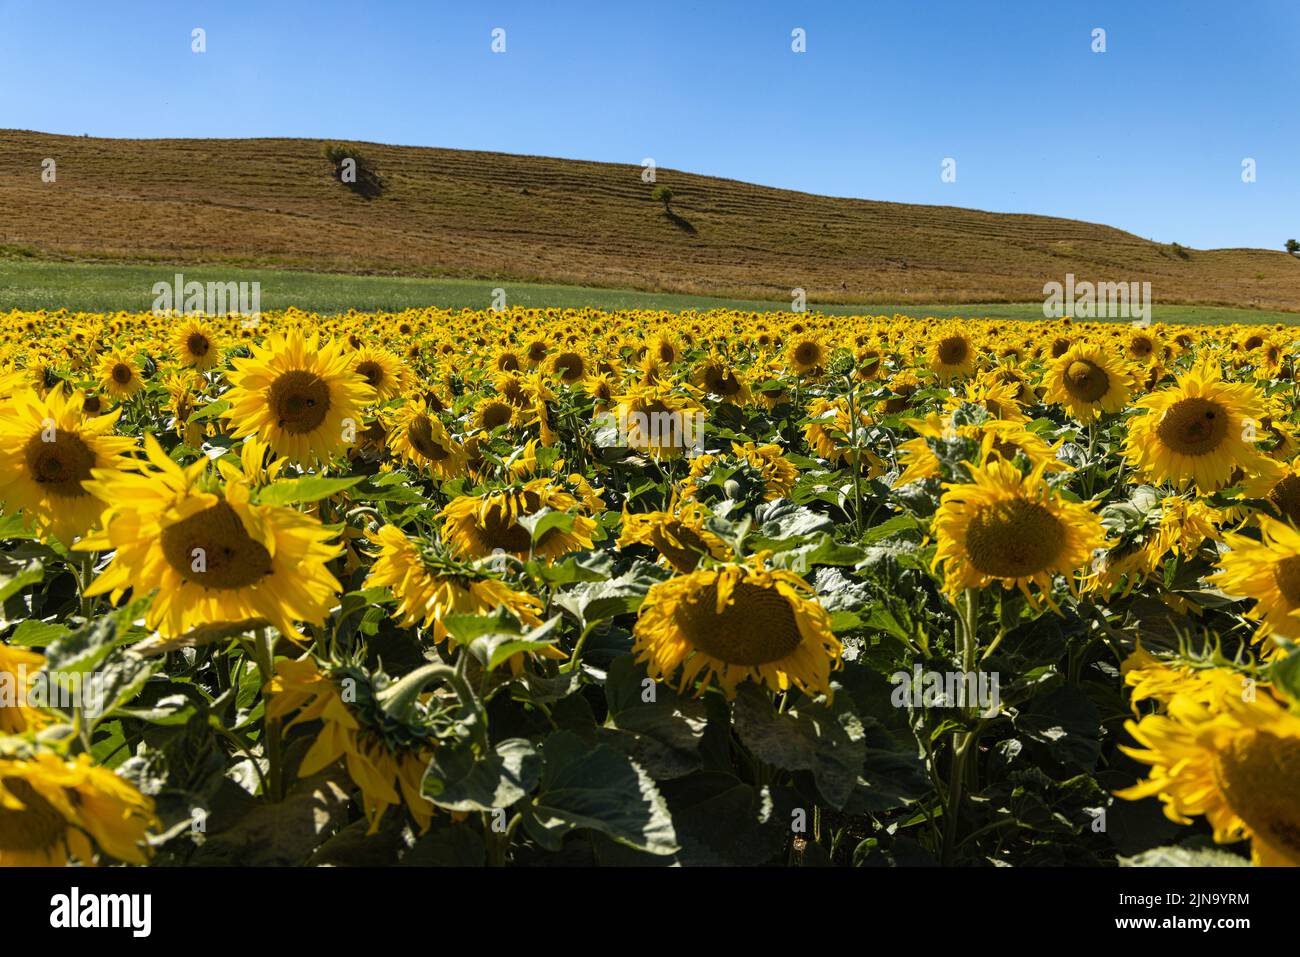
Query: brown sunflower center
point(570, 366)
point(59, 467)
point(420, 434)
point(953, 350)
point(1141, 346)
point(757, 628)
point(299, 400)
point(536, 351)
point(1253, 342)
point(680, 544)
point(37, 827)
point(198, 344)
point(372, 372)
point(807, 353)
point(507, 362)
point(1286, 575)
point(1014, 539)
point(1259, 774)
point(1286, 497)
point(1086, 381)
point(1193, 426)
point(122, 373)
point(213, 549)
point(498, 529)
point(494, 414)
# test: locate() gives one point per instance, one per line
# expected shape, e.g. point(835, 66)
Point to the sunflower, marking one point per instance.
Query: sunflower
point(737, 622)
point(48, 449)
point(759, 468)
point(18, 670)
point(678, 536)
point(714, 375)
point(196, 346)
point(119, 375)
point(1268, 571)
point(659, 421)
point(1201, 430)
point(430, 586)
point(1279, 484)
point(386, 758)
point(1088, 382)
point(381, 369)
point(53, 810)
point(806, 356)
point(209, 553)
point(569, 367)
point(1011, 528)
point(992, 439)
point(298, 396)
point(951, 355)
point(478, 526)
point(419, 438)
point(1234, 759)
point(492, 413)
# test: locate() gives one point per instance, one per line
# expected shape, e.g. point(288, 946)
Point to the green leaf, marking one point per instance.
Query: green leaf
point(458, 781)
point(662, 734)
point(17, 575)
point(309, 488)
point(828, 741)
point(599, 788)
point(37, 634)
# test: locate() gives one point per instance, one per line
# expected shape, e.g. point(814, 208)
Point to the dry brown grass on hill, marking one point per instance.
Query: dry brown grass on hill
point(273, 202)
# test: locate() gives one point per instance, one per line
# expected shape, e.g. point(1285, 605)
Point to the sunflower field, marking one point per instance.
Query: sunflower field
point(571, 587)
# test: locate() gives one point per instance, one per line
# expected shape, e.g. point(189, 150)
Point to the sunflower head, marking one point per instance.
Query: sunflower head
point(1008, 527)
point(300, 396)
point(731, 623)
point(1199, 431)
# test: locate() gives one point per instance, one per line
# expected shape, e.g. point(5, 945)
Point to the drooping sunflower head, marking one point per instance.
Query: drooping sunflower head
point(430, 583)
point(55, 810)
point(1199, 431)
point(748, 474)
point(478, 526)
point(733, 623)
point(1267, 570)
point(301, 397)
point(1232, 758)
point(48, 450)
point(385, 737)
point(1011, 528)
point(419, 438)
point(680, 537)
point(195, 345)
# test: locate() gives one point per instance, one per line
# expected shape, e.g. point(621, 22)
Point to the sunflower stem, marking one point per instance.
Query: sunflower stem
point(968, 616)
point(264, 650)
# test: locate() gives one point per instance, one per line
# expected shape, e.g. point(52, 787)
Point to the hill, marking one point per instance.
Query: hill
point(277, 203)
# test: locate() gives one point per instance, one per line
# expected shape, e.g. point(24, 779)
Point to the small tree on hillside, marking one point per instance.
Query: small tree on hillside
point(1293, 246)
point(663, 194)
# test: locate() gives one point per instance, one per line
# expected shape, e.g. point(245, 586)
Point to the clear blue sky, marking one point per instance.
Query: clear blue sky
point(1148, 136)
